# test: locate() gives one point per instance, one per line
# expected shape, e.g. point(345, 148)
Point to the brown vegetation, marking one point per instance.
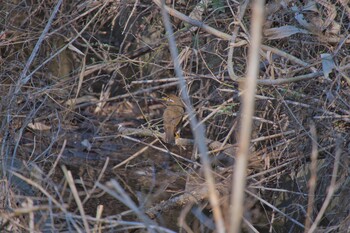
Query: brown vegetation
point(82, 139)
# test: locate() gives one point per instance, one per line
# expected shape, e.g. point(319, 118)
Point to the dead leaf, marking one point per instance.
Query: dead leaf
point(39, 126)
point(283, 32)
point(83, 99)
point(327, 64)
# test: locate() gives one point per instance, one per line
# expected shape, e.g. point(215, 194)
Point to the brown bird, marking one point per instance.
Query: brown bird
point(172, 116)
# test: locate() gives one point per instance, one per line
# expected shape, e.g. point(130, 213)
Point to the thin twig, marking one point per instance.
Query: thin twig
point(135, 155)
point(313, 178)
point(331, 189)
point(197, 129)
point(239, 176)
point(74, 191)
point(24, 78)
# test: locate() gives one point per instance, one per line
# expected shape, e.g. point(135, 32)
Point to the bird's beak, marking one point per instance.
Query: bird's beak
point(167, 99)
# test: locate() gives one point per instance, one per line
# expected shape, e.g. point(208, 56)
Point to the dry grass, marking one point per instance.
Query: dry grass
point(81, 129)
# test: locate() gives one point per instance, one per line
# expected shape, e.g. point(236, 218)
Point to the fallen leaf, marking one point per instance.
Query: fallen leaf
point(283, 32)
point(39, 126)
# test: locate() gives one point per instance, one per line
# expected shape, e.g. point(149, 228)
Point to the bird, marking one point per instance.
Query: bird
point(172, 116)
